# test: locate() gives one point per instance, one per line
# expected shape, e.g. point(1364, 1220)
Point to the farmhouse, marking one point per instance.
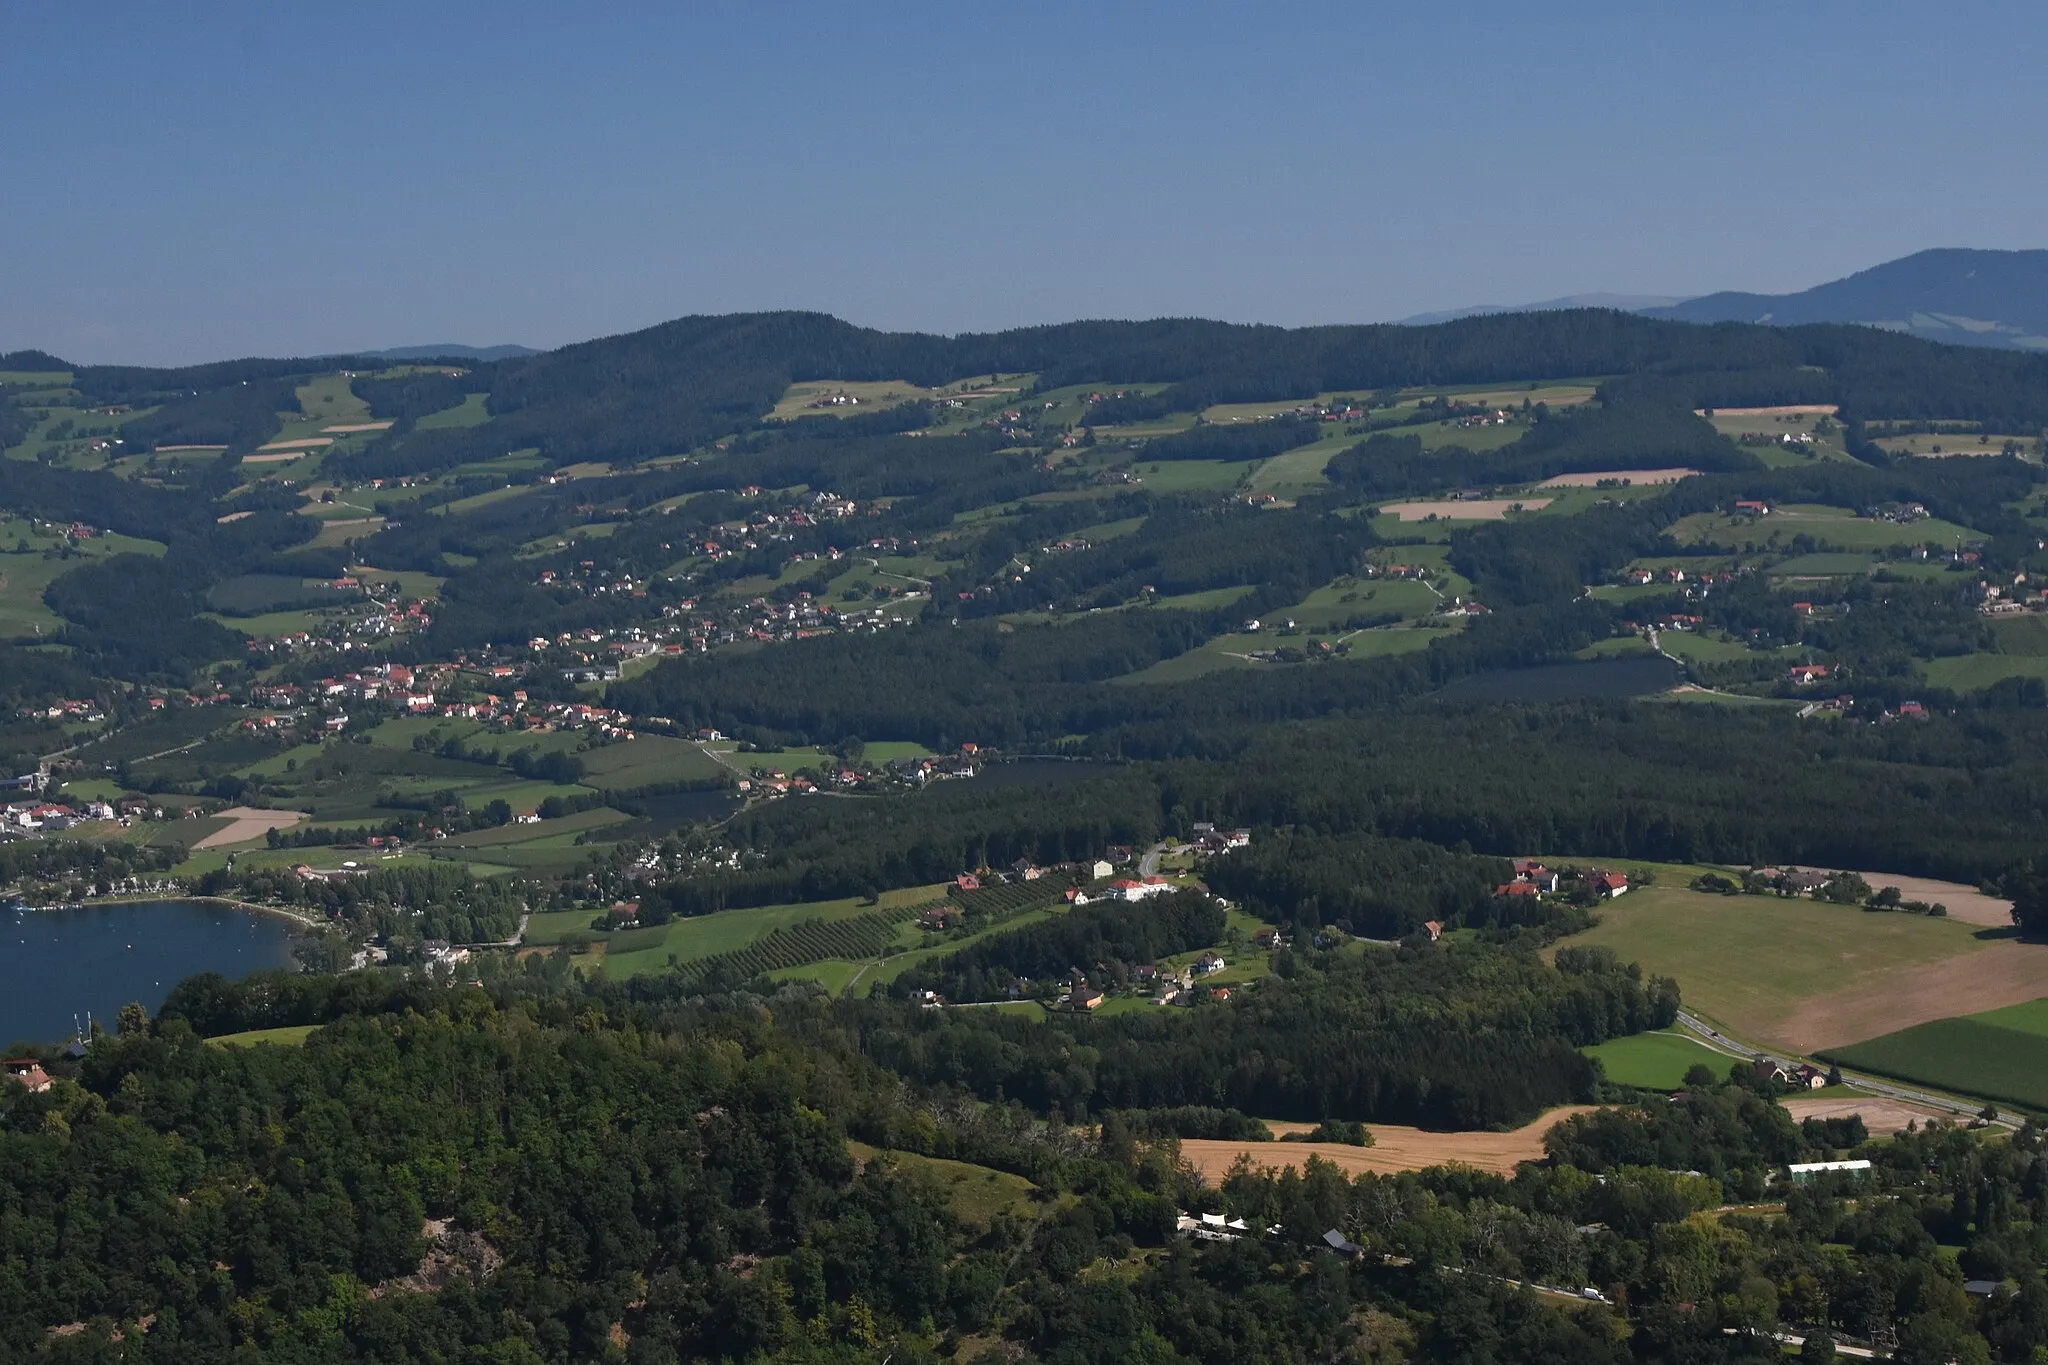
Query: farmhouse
point(1806, 675)
point(29, 1072)
point(1753, 507)
point(1608, 885)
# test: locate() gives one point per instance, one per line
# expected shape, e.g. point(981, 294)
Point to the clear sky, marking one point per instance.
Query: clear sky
point(186, 182)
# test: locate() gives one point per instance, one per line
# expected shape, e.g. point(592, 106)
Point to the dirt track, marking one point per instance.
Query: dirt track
point(1394, 1149)
point(2004, 973)
point(1883, 1117)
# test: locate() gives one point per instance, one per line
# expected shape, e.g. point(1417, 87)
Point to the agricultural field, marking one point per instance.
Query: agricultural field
point(33, 554)
point(1395, 1149)
point(1975, 672)
point(290, 1035)
point(1800, 974)
point(1949, 444)
point(645, 760)
point(1836, 528)
point(635, 951)
point(470, 412)
point(2000, 1054)
point(1655, 1061)
point(1816, 426)
point(813, 399)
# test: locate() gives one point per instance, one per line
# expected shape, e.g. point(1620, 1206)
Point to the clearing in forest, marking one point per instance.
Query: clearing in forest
point(1395, 1148)
point(1463, 509)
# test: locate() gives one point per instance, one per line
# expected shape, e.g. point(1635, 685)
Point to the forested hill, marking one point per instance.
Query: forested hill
point(1969, 297)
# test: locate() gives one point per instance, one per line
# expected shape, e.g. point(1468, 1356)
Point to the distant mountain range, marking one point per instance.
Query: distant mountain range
point(1953, 294)
point(1627, 303)
point(449, 351)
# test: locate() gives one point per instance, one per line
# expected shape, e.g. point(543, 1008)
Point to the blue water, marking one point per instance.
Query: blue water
point(56, 964)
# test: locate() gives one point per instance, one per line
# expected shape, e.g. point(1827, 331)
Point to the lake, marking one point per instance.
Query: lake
point(56, 964)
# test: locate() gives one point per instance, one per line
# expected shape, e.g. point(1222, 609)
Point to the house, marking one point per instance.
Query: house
point(1516, 890)
point(1268, 939)
point(1434, 928)
point(1754, 507)
point(1339, 1243)
point(939, 917)
point(1608, 885)
point(1535, 874)
point(967, 881)
point(1209, 962)
point(29, 1072)
point(1027, 869)
point(1085, 998)
point(1806, 675)
point(1100, 869)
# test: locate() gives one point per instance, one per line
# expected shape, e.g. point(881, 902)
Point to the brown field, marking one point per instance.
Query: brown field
point(249, 823)
point(1788, 410)
point(1965, 903)
point(274, 457)
point(359, 426)
point(1591, 480)
point(172, 450)
point(233, 516)
point(1394, 1149)
point(1464, 509)
point(1883, 1117)
point(2007, 972)
point(301, 442)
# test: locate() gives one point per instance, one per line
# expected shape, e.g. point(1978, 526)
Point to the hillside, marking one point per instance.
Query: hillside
point(1957, 295)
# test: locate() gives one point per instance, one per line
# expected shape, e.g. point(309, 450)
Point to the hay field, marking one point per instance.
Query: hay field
point(1395, 1148)
point(1803, 975)
point(1463, 509)
point(1633, 476)
point(246, 823)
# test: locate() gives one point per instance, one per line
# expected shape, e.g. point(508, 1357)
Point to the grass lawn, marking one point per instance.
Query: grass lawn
point(1654, 1061)
point(2001, 1054)
point(798, 400)
point(554, 926)
point(1747, 961)
point(834, 974)
point(292, 1035)
point(2022, 635)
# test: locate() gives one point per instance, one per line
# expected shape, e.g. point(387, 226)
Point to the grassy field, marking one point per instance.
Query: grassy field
point(1837, 528)
point(1750, 961)
point(648, 950)
point(470, 412)
point(2000, 1054)
point(974, 1194)
point(292, 1035)
point(1973, 672)
point(1654, 1061)
point(645, 760)
point(1828, 564)
point(874, 396)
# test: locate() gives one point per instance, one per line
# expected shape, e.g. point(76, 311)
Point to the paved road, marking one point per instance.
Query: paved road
point(1148, 865)
point(1731, 1047)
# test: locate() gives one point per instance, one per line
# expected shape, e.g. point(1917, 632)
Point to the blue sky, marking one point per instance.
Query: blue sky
point(192, 182)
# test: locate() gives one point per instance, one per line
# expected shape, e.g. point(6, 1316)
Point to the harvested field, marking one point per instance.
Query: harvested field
point(274, 457)
point(2006, 972)
point(172, 450)
point(1787, 410)
point(1881, 1116)
point(246, 822)
point(1965, 903)
point(302, 441)
point(1395, 1149)
point(1633, 476)
point(233, 516)
point(1464, 509)
point(358, 426)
